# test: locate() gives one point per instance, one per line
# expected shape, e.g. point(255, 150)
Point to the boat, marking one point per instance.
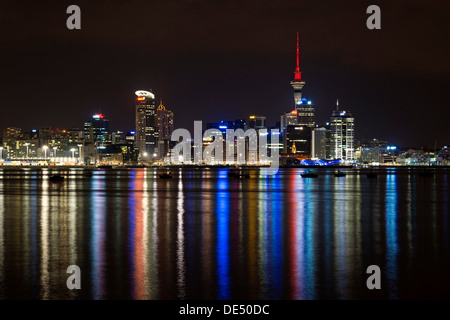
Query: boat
point(166, 175)
point(105, 167)
point(309, 174)
point(56, 178)
point(339, 173)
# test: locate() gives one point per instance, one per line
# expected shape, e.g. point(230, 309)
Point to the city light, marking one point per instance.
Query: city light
point(143, 93)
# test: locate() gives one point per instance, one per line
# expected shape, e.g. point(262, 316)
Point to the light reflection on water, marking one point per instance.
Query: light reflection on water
point(202, 235)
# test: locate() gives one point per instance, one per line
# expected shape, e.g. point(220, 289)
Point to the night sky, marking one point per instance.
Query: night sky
point(214, 60)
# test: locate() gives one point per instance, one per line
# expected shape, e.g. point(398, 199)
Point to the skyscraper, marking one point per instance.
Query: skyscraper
point(257, 122)
point(342, 134)
point(97, 130)
point(298, 140)
point(319, 143)
point(305, 113)
point(164, 124)
point(146, 130)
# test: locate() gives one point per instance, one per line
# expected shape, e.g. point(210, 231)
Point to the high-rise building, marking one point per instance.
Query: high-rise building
point(118, 137)
point(257, 122)
point(342, 134)
point(319, 144)
point(96, 130)
point(11, 133)
point(146, 130)
point(305, 113)
point(298, 140)
point(164, 124)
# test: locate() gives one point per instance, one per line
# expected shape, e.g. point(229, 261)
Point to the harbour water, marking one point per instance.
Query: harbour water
point(204, 235)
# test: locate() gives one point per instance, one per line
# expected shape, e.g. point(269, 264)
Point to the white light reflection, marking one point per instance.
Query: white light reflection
point(45, 274)
point(2, 239)
point(181, 268)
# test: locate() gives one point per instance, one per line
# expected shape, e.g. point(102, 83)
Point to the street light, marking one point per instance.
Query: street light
point(45, 151)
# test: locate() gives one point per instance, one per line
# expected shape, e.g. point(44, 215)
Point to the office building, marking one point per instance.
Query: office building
point(96, 130)
point(342, 135)
point(146, 130)
point(319, 144)
point(164, 124)
point(257, 122)
point(298, 140)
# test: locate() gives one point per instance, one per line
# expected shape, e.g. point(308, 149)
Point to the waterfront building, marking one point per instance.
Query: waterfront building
point(342, 134)
point(146, 129)
point(164, 124)
point(298, 140)
point(319, 143)
point(257, 122)
point(96, 131)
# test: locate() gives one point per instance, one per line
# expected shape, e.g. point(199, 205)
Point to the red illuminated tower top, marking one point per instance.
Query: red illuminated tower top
point(297, 73)
point(297, 84)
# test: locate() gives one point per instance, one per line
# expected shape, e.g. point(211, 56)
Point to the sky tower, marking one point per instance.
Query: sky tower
point(297, 83)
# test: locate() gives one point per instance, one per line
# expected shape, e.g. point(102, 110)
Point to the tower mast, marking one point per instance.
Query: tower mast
point(297, 83)
point(297, 73)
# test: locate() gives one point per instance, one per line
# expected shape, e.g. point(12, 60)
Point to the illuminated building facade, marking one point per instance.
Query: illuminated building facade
point(305, 113)
point(257, 122)
point(319, 144)
point(97, 130)
point(342, 135)
point(164, 125)
point(298, 140)
point(146, 129)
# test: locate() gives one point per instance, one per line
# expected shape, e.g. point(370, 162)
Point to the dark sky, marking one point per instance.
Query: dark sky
point(213, 60)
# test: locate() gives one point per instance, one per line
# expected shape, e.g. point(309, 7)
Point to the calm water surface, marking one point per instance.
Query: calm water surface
point(202, 235)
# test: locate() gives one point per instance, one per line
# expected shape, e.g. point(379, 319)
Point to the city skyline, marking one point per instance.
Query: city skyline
point(206, 152)
point(206, 68)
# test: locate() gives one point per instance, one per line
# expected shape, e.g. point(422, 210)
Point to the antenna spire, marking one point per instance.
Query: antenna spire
point(297, 73)
point(337, 105)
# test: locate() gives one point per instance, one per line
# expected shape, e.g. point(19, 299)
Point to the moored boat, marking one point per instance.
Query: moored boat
point(339, 173)
point(56, 178)
point(309, 174)
point(166, 175)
